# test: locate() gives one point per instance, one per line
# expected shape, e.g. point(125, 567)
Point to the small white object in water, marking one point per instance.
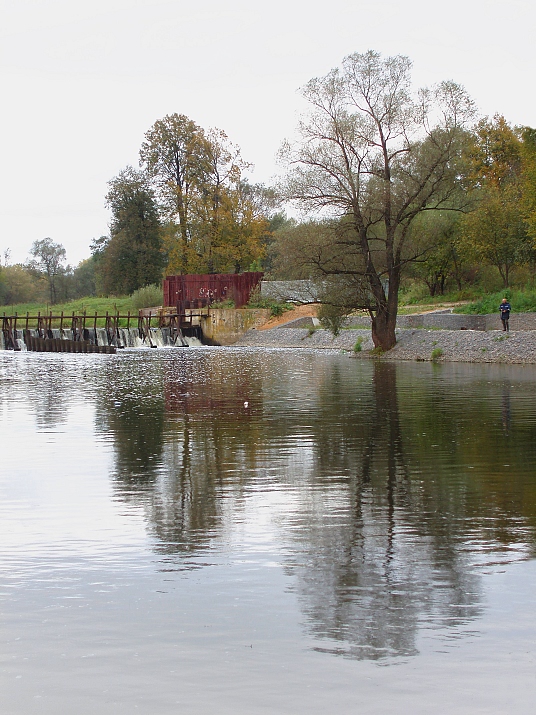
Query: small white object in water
point(246, 404)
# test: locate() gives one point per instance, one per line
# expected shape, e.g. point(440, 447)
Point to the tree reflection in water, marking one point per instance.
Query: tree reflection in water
point(373, 567)
point(384, 514)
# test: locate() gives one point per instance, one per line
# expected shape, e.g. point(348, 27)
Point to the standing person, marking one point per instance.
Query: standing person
point(504, 310)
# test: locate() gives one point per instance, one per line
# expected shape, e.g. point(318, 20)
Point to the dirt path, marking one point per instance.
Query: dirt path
point(310, 311)
point(301, 311)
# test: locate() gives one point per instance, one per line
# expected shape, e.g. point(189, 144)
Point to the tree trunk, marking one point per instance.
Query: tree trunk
point(383, 329)
point(384, 321)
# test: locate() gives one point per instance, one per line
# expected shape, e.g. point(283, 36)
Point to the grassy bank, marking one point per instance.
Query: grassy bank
point(522, 301)
point(88, 305)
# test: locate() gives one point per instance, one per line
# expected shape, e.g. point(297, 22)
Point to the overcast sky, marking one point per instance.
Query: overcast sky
point(81, 83)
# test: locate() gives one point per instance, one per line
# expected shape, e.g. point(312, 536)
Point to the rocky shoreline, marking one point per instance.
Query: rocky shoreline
point(493, 346)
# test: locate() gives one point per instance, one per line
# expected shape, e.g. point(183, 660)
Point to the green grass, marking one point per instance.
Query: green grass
point(88, 305)
point(522, 301)
point(418, 295)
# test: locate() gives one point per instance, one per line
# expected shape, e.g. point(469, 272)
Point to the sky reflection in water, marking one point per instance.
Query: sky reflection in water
point(163, 544)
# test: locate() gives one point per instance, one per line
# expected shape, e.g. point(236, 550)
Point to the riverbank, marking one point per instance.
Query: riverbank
point(492, 346)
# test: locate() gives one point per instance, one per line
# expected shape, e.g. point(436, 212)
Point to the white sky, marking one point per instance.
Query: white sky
point(81, 82)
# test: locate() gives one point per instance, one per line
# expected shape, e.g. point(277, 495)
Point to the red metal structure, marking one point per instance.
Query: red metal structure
point(199, 291)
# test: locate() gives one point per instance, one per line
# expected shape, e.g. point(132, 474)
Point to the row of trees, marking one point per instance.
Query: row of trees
point(45, 277)
point(493, 226)
point(187, 209)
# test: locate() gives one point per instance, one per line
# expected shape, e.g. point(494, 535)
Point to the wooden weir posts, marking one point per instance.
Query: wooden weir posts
point(9, 328)
point(59, 345)
point(38, 331)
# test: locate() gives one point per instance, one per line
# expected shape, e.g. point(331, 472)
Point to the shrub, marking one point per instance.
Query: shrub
point(276, 307)
point(358, 345)
point(332, 318)
point(436, 354)
point(377, 351)
point(147, 297)
point(228, 304)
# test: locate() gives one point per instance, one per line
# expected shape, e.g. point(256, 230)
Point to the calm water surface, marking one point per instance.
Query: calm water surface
point(251, 531)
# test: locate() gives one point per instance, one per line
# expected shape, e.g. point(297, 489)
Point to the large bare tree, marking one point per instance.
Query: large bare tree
point(373, 155)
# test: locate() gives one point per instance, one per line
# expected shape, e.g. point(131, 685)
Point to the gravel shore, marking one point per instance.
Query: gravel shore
point(492, 346)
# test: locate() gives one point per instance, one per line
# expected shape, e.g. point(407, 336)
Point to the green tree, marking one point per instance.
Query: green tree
point(84, 279)
point(132, 257)
point(372, 153)
point(48, 258)
point(436, 237)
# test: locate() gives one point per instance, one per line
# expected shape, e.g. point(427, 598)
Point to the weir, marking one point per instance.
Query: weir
point(98, 333)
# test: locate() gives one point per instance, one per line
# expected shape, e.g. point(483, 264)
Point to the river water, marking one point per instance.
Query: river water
point(242, 531)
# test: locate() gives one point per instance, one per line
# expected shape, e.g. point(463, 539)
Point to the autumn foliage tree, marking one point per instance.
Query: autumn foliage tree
point(213, 223)
point(495, 231)
point(528, 177)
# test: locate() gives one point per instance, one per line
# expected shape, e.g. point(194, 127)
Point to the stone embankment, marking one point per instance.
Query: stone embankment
point(494, 346)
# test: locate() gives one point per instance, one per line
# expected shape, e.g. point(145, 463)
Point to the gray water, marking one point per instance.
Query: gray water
point(251, 531)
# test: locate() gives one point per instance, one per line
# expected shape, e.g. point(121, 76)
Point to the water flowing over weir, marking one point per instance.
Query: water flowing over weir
point(172, 331)
point(99, 338)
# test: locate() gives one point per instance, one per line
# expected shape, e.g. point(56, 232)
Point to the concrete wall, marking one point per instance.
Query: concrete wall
point(225, 327)
point(293, 291)
point(445, 320)
point(518, 321)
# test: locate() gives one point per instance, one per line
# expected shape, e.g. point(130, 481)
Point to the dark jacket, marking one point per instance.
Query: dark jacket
point(504, 310)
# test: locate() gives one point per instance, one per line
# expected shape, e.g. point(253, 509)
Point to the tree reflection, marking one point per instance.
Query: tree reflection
point(41, 385)
point(184, 441)
point(394, 483)
point(130, 408)
point(370, 567)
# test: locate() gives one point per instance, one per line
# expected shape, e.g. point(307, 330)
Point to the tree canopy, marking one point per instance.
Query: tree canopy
point(495, 230)
point(132, 256)
point(49, 257)
point(214, 220)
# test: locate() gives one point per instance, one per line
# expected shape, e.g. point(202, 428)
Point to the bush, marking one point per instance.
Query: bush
point(276, 307)
point(436, 354)
point(358, 345)
point(332, 318)
point(223, 304)
point(147, 297)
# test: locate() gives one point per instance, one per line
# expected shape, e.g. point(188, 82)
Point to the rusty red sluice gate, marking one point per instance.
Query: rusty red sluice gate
point(199, 291)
